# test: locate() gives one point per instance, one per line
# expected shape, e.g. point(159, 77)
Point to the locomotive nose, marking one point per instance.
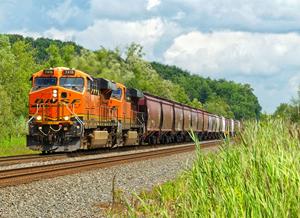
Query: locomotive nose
point(48, 105)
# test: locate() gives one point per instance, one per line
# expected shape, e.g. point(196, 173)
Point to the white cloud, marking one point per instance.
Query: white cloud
point(179, 15)
point(267, 61)
point(152, 4)
point(116, 8)
point(64, 12)
point(113, 33)
point(53, 33)
point(294, 82)
point(228, 52)
point(244, 15)
point(66, 35)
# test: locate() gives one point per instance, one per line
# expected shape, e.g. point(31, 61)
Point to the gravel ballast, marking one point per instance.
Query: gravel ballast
point(80, 195)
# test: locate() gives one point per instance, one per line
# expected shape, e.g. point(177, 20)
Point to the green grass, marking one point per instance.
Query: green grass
point(15, 146)
point(258, 176)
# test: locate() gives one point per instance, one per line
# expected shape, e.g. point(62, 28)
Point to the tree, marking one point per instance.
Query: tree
point(6, 117)
point(7, 61)
point(295, 116)
point(19, 87)
point(196, 104)
point(218, 106)
point(290, 111)
point(134, 50)
point(68, 52)
point(16, 66)
point(55, 59)
point(284, 111)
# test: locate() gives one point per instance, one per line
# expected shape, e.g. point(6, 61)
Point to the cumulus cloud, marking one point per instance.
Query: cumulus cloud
point(269, 62)
point(235, 52)
point(294, 82)
point(242, 15)
point(152, 4)
point(117, 9)
point(179, 15)
point(63, 12)
point(113, 33)
point(53, 33)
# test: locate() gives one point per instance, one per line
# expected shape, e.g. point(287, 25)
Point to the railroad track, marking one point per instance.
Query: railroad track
point(19, 159)
point(29, 158)
point(28, 174)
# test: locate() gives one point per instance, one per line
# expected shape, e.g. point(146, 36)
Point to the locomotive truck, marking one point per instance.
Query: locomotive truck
point(70, 110)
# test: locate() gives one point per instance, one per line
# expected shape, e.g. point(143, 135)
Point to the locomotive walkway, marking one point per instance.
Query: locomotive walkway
point(27, 174)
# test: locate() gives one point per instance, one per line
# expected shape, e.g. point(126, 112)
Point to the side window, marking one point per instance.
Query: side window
point(93, 88)
point(117, 94)
point(88, 85)
point(127, 96)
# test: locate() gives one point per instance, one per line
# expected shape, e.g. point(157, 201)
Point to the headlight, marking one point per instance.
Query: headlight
point(66, 118)
point(39, 117)
point(54, 93)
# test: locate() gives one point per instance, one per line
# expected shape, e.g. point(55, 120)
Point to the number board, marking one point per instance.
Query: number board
point(48, 71)
point(69, 72)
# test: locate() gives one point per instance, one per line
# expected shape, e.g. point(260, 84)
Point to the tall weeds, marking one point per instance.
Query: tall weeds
point(257, 176)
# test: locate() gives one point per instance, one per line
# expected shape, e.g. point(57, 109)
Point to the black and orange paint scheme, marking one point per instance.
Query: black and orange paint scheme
point(70, 110)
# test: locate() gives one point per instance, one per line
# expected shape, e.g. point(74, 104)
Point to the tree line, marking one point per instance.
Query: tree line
point(21, 56)
point(289, 111)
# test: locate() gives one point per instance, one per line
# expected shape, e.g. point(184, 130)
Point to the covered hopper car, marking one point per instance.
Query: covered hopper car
point(70, 110)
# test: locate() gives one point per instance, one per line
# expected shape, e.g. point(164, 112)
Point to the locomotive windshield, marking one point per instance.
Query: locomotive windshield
point(72, 83)
point(42, 82)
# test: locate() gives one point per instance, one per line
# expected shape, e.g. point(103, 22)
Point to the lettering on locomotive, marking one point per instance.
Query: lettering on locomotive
point(54, 101)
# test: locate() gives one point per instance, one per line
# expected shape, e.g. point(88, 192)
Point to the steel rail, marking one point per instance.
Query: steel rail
point(28, 174)
point(29, 158)
point(19, 159)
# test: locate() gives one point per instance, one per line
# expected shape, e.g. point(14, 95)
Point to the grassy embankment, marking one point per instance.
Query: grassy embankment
point(14, 146)
point(259, 176)
point(14, 141)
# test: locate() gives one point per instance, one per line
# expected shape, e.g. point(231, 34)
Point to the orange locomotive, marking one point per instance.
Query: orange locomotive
point(70, 110)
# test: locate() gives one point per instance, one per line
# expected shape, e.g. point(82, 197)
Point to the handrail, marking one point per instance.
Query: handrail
point(76, 117)
point(37, 110)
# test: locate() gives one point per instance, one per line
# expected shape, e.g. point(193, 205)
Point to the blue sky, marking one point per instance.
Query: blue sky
point(248, 41)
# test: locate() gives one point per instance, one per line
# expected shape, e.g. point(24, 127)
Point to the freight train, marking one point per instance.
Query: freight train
point(70, 110)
